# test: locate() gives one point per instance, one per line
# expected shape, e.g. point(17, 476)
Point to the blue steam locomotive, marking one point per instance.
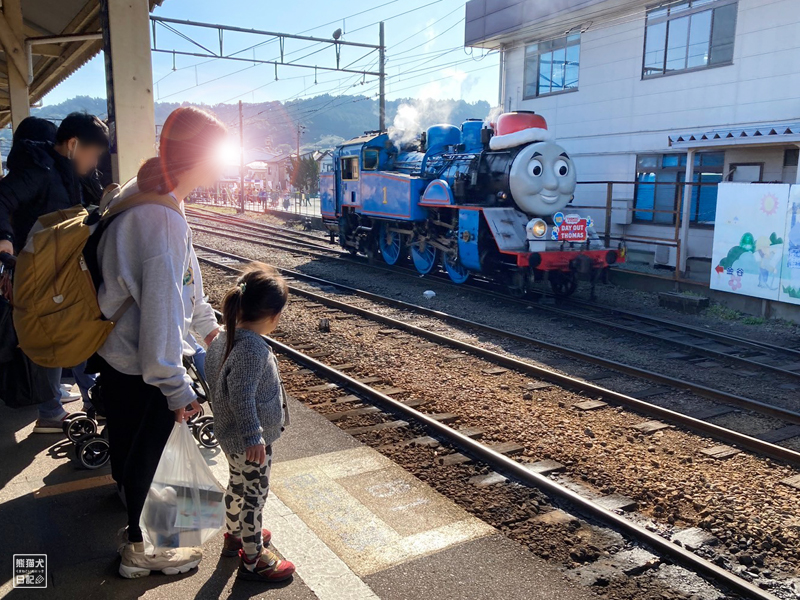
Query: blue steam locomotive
point(475, 199)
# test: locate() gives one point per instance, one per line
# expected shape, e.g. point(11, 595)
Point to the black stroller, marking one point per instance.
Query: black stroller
point(92, 448)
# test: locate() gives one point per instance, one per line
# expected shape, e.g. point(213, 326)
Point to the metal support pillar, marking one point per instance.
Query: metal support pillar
point(241, 160)
point(797, 176)
point(382, 77)
point(686, 212)
point(129, 84)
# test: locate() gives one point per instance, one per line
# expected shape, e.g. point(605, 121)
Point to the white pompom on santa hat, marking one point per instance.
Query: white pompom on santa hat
point(517, 128)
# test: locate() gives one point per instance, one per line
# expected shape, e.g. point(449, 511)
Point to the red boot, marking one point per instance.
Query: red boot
point(232, 544)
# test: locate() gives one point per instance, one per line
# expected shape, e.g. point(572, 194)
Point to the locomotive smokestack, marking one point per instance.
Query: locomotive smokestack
point(486, 135)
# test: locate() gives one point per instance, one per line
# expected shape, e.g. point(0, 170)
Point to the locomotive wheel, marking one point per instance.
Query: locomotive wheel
point(424, 258)
point(391, 244)
point(79, 427)
point(563, 284)
point(457, 272)
point(92, 451)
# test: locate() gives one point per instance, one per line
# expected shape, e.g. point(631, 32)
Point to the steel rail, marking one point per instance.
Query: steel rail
point(518, 472)
point(671, 325)
point(303, 247)
point(205, 213)
point(697, 425)
point(698, 389)
point(691, 329)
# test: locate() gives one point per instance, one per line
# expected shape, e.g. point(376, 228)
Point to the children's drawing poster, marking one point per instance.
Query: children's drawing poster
point(750, 251)
point(790, 269)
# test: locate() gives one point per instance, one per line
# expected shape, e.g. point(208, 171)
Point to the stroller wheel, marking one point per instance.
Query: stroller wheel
point(205, 434)
point(198, 422)
point(92, 452)
point(72, 417)
point(80, 426)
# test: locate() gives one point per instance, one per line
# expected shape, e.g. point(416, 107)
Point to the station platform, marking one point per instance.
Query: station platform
point(356, 525)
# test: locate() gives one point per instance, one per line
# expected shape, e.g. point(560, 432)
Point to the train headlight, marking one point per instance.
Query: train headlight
point(537, 228)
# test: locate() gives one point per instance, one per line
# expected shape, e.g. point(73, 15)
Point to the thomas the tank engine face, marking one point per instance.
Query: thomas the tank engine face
point(542, 179)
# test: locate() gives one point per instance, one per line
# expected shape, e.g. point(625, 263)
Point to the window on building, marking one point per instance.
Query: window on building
point(659, 187)
point(689, 34)
point(552, 66)
point(790, 156)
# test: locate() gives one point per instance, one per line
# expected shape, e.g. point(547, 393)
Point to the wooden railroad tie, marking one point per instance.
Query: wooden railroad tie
point(509, 448)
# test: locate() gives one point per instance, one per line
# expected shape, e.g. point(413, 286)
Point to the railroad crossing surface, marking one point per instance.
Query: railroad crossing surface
point(356, 525)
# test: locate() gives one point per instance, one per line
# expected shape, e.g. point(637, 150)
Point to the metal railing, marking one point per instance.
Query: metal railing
point(665, 232)
point(295, 203)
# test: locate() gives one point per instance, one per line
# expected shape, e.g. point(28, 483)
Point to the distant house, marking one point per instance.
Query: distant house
point(325, 160)
point(269, 168)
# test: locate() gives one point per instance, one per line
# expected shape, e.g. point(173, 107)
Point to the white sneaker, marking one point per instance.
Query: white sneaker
point(67, 395)
point(135, 563)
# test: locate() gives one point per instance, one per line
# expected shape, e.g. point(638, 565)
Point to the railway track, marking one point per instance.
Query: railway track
point(767, 443)
point(458, 452)
point(697, 343)
point(396, 423)
point(698, 423)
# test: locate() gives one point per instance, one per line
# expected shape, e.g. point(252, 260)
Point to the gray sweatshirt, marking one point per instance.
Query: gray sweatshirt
point(247, 395)
point(146, 252)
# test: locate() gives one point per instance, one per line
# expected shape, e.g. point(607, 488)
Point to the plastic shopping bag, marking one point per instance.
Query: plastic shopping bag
point(185, 505)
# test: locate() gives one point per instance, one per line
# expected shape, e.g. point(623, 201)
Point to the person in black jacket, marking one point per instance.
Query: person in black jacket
point(44, 175)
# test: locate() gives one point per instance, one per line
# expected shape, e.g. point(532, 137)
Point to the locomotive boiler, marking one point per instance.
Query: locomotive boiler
point(490, 200)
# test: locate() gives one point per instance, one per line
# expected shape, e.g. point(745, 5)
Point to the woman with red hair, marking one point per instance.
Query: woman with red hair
point(146, 254)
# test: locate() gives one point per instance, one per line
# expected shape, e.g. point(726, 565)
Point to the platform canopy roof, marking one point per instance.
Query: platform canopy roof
point(53, 62)
point(760, 135)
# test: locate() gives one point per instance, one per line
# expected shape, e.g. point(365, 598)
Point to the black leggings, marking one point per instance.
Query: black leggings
point(139, 423)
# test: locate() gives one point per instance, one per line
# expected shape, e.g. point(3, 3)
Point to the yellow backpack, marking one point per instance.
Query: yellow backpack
point(56, 314)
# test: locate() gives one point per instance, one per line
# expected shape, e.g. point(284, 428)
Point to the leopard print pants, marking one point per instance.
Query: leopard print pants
point(248, 486)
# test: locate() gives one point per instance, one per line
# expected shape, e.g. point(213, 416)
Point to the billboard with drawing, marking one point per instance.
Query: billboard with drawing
point(757, 241)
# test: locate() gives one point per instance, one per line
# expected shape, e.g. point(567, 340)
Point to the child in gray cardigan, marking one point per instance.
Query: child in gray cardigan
point(250, 413)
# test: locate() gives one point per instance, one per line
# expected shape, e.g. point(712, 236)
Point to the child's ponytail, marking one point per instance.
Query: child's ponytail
point(259, 293)
point(231, 309)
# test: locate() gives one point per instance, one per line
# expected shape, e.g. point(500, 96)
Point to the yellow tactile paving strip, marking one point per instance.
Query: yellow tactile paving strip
point(369, 511)
point(73, 486)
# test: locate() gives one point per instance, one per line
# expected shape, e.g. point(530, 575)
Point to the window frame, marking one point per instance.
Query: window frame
point(679, 169)
point(733, 166)
point(377, 153)
point(711, 7)
point(525, 59)
point(354, 167)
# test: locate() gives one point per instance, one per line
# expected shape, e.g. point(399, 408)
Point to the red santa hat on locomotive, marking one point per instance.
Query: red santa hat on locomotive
point(516, 128)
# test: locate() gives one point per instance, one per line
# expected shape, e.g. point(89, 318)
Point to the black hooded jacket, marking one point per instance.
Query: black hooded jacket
point(39, 181)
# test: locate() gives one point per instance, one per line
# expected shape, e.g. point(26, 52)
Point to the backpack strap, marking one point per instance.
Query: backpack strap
point(122, 309)
point(139, 199)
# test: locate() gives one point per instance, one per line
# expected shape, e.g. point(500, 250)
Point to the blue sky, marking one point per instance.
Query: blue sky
point(425, 54)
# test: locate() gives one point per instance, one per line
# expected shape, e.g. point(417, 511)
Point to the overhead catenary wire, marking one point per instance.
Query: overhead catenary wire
point(272, 40)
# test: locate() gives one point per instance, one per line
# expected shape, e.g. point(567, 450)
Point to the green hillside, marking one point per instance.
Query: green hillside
point(327, 119)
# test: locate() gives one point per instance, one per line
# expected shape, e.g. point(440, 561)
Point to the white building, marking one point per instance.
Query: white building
point(632, 87)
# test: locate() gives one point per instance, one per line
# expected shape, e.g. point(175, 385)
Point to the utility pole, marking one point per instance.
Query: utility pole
point(296, 174)
point(241, 159)
point(382, 77)
point(298, 141)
